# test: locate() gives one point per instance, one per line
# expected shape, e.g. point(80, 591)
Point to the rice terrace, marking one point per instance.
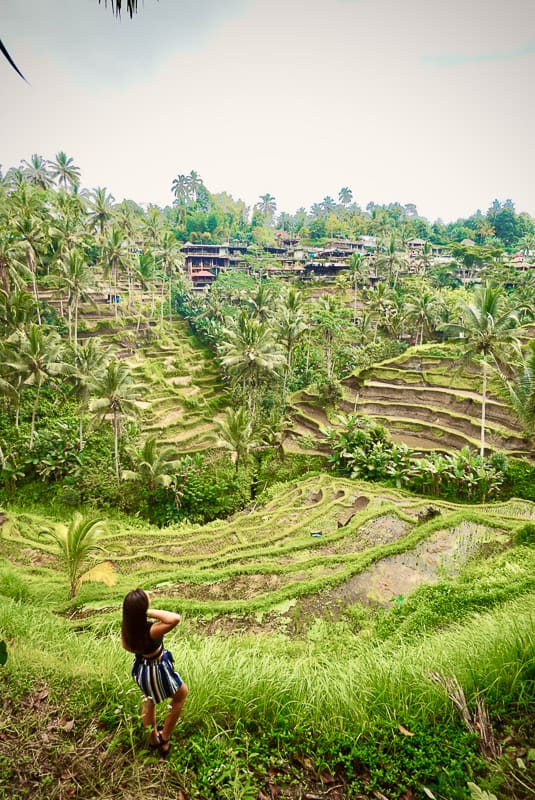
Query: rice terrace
point(310, 435)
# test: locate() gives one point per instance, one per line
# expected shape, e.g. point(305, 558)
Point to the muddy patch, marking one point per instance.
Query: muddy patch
point(443, 554)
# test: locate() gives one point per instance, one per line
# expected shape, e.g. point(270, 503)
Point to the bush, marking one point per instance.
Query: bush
point(525, 535)
point(519, 480)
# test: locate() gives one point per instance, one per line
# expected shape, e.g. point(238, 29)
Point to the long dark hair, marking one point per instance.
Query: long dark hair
point(133, 629)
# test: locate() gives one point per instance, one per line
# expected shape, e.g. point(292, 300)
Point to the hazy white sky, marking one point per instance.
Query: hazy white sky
point(425, 101)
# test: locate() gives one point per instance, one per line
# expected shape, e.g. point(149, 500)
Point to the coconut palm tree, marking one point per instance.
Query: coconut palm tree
point(235, 433)
point(101, 209)
point(75, 277)
point(290, 324)
point(37, 358)
point(522, 389)
point(249, 354)
point(168, 256)
point(88, 360)
point(64, 169)
point(357, 265)
point(487, 329)
point(77, 542)
point(267, 205)
point(390, 258)
point(153, 466)
point(345, 195)
point(115, 258)
point(115, 397)
point(36, 172)
point(423, 309)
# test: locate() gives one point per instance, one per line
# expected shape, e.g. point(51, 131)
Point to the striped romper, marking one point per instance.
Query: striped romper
point(156, 675)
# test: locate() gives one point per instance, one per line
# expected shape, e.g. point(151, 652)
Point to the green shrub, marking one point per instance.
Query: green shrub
point(525, 535)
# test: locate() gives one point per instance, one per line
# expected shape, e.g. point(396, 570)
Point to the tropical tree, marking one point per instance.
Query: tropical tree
point(64, 169)
point(101, 209)
point(181, 188)
point(267, 205)
point(249, 354)
point(152, 466)
point(235, 433)
point(168, 256)
point(76, 278)
point(88, 360)
point(357, 268)
point(37, 173)
point(290, 324)
point(487, 330)
point(522, 389)
point(115, 258)
point(423, 309)
point(390, 258)
point(37, 358)
point(77, 543)
point(345, 195)
point(115, 397)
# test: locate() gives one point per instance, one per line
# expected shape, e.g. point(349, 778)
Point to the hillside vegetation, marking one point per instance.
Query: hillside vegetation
point(321, 630)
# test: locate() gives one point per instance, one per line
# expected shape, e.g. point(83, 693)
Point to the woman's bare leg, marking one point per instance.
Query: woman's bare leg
point(148, 717)
point(177, 703)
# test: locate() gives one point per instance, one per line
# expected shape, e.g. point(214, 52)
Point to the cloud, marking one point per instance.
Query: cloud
point(459, 59)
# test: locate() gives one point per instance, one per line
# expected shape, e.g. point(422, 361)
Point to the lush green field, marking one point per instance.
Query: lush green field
point(318, 665)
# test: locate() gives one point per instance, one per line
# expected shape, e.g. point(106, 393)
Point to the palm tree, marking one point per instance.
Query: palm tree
point(153, 467)
point(290, 324)
point(30, 223)
point(249, 354)
point(115, 397)
point(64, 169)
point(522, 389)
point(77, 542)
point(17, 309)
point(345, 195)
point(89, 361)
point(261, 303)
point(13, 265)
point(75, 276)
point(168, 254)
point(180, 187)
point(327, 314)
point(392, 259)
point(423, 309)
point(101, 205)
point(235, 433)
point(488, 331)
point(36, 172)
point(356, 267)
point(114, 258)
point(267, 205)
point(36, 357)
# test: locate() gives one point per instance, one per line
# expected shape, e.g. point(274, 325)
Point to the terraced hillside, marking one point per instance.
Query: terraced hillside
point(182, 389)
point(180, 382)
point(318, 546)
point(426, 399)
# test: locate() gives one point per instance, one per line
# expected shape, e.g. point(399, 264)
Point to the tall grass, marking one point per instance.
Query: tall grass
point(335, 682)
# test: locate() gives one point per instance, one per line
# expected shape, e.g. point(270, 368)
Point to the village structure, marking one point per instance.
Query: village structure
point(289, 258)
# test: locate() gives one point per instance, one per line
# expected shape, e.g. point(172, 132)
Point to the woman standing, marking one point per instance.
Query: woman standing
point(153, 668)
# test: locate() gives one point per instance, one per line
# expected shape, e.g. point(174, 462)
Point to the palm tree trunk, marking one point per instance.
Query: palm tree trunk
point(483, 408)
point(116, 443)
point(34, 413)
